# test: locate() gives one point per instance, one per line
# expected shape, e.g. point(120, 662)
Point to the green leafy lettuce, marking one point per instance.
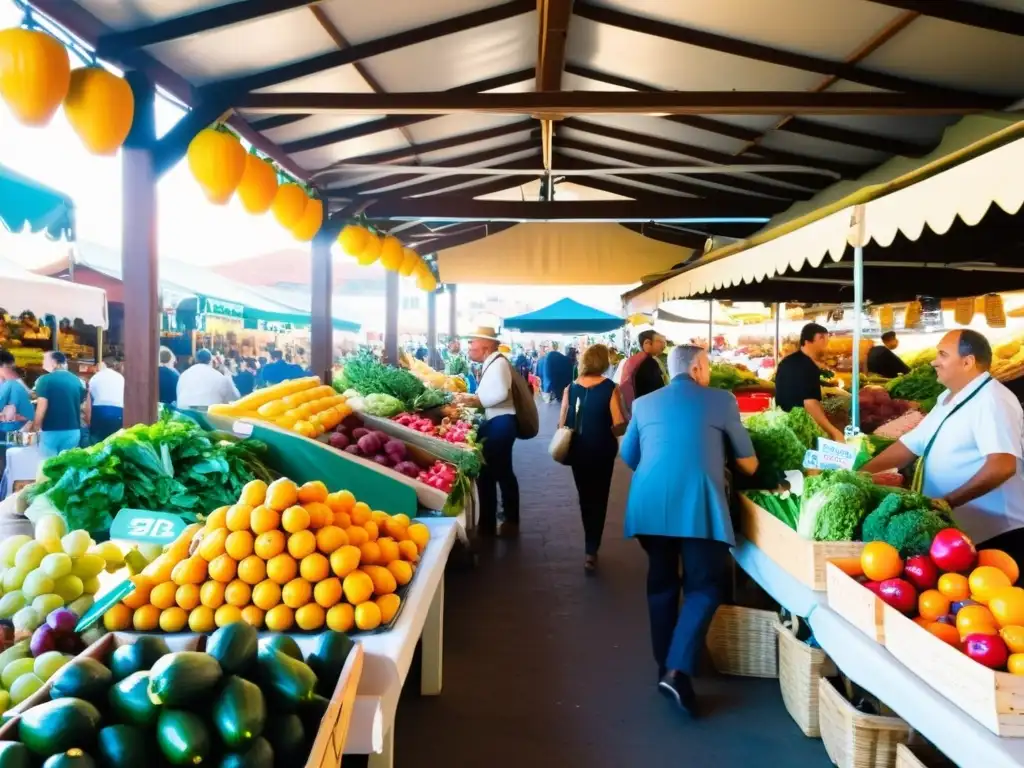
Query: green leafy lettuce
point(776, 445)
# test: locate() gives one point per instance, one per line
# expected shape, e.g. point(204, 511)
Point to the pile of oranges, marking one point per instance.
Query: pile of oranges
point(301, 405)
point(284, 557)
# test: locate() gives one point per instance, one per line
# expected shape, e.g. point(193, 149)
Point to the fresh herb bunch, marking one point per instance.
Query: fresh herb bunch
point(430, 398)
point(920, 385)
point(368, 377)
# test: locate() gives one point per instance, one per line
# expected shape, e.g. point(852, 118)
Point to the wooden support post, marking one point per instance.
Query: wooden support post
point(434, 357)
point(453, 312)
point(322, 325)
point(391, 299)
point(139, 263)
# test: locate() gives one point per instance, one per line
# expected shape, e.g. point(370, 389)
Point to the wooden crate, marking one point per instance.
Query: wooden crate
point(994, 699)
point(855, 603)
point(329, 745)
point(802, 558)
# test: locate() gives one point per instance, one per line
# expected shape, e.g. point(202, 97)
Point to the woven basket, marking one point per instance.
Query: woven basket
point(800, 668)
point(921, 756)
point(742, 641)
point(853, 739)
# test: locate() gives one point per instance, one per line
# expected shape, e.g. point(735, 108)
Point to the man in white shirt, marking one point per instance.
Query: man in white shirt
point(105, 404)
point(973, 445)
point(203, 385)
point(498, 433)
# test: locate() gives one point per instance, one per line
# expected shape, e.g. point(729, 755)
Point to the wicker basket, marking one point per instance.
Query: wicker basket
point(853, 739)
point(921, 756)
point(800, 668)
point(742, 641)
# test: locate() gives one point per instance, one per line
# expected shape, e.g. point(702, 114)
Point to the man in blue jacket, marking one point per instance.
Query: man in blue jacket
point(556, 375)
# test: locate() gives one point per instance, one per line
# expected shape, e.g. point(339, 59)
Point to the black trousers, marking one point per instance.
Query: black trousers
point(697, 568)
point(499, 438)
point(593, 478)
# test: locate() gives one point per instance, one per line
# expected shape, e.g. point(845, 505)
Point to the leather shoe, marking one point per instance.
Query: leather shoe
point(677, 688)
point(508, 530)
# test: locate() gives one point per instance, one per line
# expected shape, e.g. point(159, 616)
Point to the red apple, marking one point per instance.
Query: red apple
point(900, 594)
point(921, 572)
point(952, 550)
point(988, 650)
point(874, 586)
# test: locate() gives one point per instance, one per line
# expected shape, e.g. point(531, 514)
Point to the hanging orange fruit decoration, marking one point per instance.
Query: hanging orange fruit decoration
point(409, 261)
point(35, 74)
point(258, 186)
point(391, 253)
point(100, 107)
point(353, 239)
point(371, 251)
point(289, 204)
point(425, 279)
point(217, 160)
point(309, 224)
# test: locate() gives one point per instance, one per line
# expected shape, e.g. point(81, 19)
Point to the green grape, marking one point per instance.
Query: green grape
point(46, 664)
point(69, 587)
point(26, 620)
point(56, 565)
point(16, 669)
point(46, 604)
point(76, 543)
point(24, 687)
point(9, 548)
point(37, 583)
point(30, 555)
point(11, 603)
point(13, 578)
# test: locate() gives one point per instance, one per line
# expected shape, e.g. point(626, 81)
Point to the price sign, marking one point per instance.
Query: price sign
point(831, 455)
point(146, 527)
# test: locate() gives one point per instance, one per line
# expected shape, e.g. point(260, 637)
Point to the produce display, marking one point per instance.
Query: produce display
point(173, 465)
point(447, 381)
point(244, 702)
point(460, 429)
point(392, 453)
point(780, 441)
point(385, 390)
point(920, 385)
point(26, 666)
point(302, 405)
point(282, 557)
point(737, 378)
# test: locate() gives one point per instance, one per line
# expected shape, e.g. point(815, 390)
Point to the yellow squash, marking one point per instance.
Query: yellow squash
point(217, 161)
point(35, 74)
point(409, 261)
point(289, 204)
point(371, 251)
point(100, 107)
point(258, 186)
point(391, 255)
point(308, 225)
point(353, 239)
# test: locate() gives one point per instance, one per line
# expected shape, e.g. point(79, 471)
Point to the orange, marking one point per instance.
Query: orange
point(254, 493)
point(341, 618)
point(281, 494)
point(118, 618)
point(237, 593)
point(409, 551)
point(281, 569)
point(370, 553)
point(389, 605)
point(264, 519)
point(191, 570)
point(328, 592)
point(357, 535)
point(360, 513)
point(227, 614)
point(984, 580)
point(1015, 664)
point(358, 587)
point(921, 621)
point(401, 570)
point(187, 596)
point(238, 517)
point(239, 544)
point(954, 586)
point(146, 618)
point(368, 616)
point(295, 519)
point(201, 619)
point(932, 604)
point(388, 550)
point(314, 490)
point(266, 594)
point(396, 529)
point(1007, 606)
point(383, 582)
point(344, 560)
point(173, 619)
point(139, 596)
point(372, 531)
point(1013, 636)
point(211, 545)
point(319, 514)
point(279, 618)
point(402, 519)
point(217, 519)
point(310, 616)
point(301, 543)
point(341, 501)
point(252, 570)
point(223, 568)
point(886, 560)
point(314, 567)
point(945, 632)
point(253, 616)
point(269, 544)
point(342, 519)
point(162, 595)
point(999, 559)
point(211, 594)
point(296, 593)
point(975, 619)
point(329, 538)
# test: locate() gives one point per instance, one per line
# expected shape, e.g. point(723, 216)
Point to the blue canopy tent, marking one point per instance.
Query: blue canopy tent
point(564, 317)
point(24, 202)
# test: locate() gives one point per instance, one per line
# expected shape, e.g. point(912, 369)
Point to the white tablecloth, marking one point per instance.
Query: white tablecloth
point(795, 597)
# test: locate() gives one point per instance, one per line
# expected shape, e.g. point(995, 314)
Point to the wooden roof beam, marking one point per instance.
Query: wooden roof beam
point(553, 27)
point(973, 15)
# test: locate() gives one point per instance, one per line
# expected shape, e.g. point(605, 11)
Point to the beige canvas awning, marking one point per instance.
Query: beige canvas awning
point(559, 254)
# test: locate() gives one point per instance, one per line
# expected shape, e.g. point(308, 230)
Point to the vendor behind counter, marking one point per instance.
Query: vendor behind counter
point(883, 360)
point(798, 379)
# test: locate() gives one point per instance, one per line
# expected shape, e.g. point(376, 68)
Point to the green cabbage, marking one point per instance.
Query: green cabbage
point(385, 406)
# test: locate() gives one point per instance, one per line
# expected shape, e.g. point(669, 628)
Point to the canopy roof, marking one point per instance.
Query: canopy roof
point(565, 316)
point(22, 290)
point(723, 109)
point(27, 203)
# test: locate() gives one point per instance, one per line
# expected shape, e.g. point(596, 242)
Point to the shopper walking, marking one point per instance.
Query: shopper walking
point(555, 374)
point(641, 374)
point(105, 405)
point(16, 408)
point(167, 377)
point(678, 510)
point(59, 396)
point(592, 408)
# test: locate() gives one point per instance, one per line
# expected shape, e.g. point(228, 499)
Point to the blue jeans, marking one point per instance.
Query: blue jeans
point(499, 437)
point(53, 442)
point(106, 420)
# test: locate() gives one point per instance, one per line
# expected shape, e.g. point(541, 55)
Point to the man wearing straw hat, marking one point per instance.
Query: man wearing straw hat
point(498, 434)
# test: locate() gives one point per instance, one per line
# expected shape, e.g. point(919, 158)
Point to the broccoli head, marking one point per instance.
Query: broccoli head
point(876, 523)
point(907, 521)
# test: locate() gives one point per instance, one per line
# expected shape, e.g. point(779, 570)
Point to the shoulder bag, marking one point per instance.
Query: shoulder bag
point(561, 441)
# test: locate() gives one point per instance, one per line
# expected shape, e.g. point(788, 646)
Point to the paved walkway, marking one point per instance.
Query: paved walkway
point(547, 668)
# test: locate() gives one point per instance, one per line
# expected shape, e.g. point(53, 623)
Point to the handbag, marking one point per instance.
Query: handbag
point(561, 441)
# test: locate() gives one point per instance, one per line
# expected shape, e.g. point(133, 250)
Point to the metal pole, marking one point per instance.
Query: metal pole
point(858, 301)
point(778, 326)
point(321, 332)
point(711, 325)
point(391, 300)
